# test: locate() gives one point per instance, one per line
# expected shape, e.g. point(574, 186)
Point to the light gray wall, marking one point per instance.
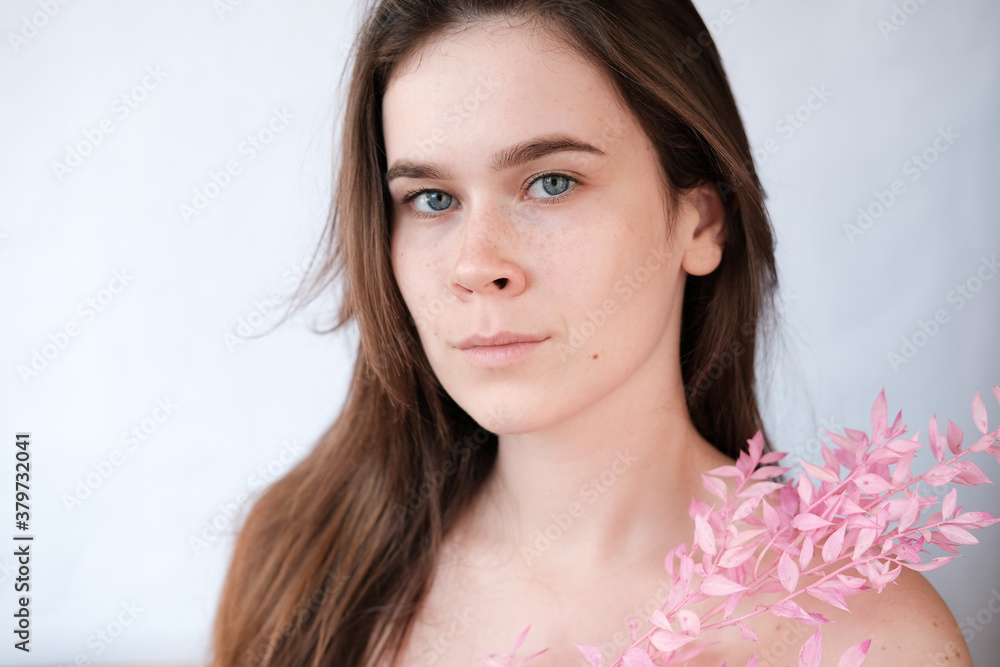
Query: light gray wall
point(245, 412)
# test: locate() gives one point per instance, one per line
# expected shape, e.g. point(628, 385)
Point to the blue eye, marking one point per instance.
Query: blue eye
point(437, 201)
point(552, 184)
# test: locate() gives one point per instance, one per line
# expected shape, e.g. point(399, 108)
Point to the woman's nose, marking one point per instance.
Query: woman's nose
point(487, 261)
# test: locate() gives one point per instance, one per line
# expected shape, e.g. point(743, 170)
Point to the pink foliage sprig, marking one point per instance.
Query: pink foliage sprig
point(867, 521)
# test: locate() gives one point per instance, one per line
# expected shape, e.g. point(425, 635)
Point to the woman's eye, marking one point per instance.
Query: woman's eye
point(548, 186)
point(436, 200)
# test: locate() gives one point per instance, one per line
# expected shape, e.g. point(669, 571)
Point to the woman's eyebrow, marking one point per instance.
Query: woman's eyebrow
point(506, 158)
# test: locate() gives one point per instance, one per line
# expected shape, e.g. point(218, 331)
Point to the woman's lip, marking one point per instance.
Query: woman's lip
point(487, 356)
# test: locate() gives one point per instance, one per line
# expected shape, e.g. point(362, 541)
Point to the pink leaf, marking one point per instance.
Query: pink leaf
point(752, 662)
point(911, 511)
point(637, 657)
point(879, 417)
point(667, 641)
point(658, 619)
point(746, 508)
point(849, 507)
point(812, 650)
point(731, 603)
point(756, 446)
point(872, 484)
point(717, 584)
point(830, 459)
point(806, 554)
point(592, 654)
point(715, 486)
point(851, 582)
point(788, 573)
point(686, 570)
point(955, 436)
point(834, 544)
point(759, 489)
point(818, 472)
point(789, 609)
point(698, 508)
point(829, 595)
point(689, 622)
point(855, 655)
point(808, 521)
point(937, 442)
point(905, 446)
point(983, 443)
point(948, 505)
point(957, 535)
point(847, 444)
point(704, 535)
point(902, 470)
point(979, 414)
point(977, 519)
point(735, 556)
point(805, 489)
point(969, 473)
point(865, 538)
point(932, 565)
point(940, 474)
point(747, 633)
point(767, 472)
point(996, 392)
point(771, 519)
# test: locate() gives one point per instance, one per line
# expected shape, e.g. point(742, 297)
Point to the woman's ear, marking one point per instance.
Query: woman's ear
point(703, 224)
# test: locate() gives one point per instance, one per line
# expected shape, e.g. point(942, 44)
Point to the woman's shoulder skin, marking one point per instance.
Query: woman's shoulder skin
point(908, 624)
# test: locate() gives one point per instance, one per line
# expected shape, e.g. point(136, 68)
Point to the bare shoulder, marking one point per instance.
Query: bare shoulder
point(908, 623)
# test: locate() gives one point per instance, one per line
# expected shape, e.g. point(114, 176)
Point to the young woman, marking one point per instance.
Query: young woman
point(551, 236)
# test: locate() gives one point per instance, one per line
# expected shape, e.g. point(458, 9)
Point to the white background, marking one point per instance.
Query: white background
point(243, 415)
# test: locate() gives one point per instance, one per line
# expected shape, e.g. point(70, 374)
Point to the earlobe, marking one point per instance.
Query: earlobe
point(705, 218)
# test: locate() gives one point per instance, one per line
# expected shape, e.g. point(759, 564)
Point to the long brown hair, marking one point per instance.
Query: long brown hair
point(334, 559)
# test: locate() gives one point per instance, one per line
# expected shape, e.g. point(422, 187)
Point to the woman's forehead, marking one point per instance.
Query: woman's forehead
point(482, 86)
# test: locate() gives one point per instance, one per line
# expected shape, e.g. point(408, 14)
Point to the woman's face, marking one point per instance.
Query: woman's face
point(541, 214)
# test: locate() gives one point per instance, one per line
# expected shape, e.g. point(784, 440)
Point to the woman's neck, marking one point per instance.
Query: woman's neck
point(609, 487)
